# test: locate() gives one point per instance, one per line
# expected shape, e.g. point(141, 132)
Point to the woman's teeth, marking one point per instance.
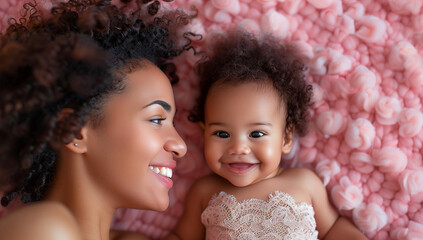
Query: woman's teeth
point(164, 171)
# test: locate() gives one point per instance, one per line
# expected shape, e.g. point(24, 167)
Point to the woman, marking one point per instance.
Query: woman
point(86, 117)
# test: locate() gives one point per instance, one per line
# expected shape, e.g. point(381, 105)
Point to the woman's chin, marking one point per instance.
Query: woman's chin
point(161, 207)
point(161, 204)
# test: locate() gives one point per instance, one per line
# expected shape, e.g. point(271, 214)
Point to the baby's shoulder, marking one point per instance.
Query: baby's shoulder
point(208, 183)
point(205, 187)
point(211, 181)
point(306, 179)
point(44, 220)
point(302, 176)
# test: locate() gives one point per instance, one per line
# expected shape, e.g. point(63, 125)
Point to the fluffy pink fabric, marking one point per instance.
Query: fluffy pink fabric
point(360, 134)
point(365, 142)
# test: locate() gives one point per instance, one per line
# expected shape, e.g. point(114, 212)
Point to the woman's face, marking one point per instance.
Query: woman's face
point(135, 140)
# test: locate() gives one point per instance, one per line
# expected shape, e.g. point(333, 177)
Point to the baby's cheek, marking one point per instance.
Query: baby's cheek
point(270, 158)
point(212, 152)
point(271, 152)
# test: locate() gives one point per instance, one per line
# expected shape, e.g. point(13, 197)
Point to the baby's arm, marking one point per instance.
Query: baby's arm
point(330, 224)
point(344, 229)
point(190, 226)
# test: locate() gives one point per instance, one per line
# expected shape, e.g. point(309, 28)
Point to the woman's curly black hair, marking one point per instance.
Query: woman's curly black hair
point(75, 58)
point(241, 57)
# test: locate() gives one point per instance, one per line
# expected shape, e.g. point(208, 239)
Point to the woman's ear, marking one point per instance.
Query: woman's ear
point(78, 143)
point(288, 142)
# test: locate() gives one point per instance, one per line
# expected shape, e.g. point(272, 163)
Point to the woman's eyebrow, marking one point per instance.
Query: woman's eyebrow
point(166, 106)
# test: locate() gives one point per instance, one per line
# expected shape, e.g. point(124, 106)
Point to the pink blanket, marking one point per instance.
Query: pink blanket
point(366, 67)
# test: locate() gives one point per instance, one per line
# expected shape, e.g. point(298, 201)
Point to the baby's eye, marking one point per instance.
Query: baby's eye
point(257, 134)
point(157, 120)
point(222, 134)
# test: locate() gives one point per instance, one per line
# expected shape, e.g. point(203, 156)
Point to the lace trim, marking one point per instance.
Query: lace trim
point(280, 217)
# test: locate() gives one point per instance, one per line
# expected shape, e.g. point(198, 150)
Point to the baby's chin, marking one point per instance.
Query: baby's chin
point(241, 182)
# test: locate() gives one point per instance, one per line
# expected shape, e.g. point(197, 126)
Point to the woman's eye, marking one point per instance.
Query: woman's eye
point(221, 134)
point(257, 134)
point(158, 120)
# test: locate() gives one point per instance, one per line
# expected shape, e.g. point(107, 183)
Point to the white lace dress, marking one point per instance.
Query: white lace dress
point(278, 218)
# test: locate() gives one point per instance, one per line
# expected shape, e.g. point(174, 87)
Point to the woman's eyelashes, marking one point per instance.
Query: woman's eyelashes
point(253, 134)
point(157, 121)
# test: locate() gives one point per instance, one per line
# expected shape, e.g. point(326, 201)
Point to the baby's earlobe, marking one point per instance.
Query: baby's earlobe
point(288, 143)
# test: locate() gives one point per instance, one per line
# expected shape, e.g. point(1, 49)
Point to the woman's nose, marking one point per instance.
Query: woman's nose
point(176, 145)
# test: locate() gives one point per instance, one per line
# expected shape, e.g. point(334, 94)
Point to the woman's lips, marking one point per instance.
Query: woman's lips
point(163, 174)
point(240, 168)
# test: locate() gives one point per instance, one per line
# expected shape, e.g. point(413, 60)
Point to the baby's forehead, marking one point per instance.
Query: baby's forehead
point(244, 98)
point(248, 86)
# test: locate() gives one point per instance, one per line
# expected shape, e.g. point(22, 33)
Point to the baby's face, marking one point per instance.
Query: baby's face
point(244, 132)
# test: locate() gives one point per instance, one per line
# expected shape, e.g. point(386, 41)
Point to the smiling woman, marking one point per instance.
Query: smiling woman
point(86, 116)
point(136, 133)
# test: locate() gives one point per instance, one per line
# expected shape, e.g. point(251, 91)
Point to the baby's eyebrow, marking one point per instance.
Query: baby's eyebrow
point(166, 106)
point(261, 124)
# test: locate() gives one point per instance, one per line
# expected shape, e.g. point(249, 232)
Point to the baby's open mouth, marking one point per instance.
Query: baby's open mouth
point(164, 171)
point(240, 167)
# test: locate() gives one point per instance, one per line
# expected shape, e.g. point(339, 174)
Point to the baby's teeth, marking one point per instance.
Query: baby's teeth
point(169, 173)
point(156, 170)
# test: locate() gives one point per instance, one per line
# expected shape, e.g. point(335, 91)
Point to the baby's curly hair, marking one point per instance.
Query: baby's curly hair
point(75, 59)
point(241, 57)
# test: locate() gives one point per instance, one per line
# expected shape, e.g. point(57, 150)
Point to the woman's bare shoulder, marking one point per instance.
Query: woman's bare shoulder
point(44, 220)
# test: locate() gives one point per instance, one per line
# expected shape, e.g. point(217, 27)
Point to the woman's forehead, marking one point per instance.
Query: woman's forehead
point(148, 83)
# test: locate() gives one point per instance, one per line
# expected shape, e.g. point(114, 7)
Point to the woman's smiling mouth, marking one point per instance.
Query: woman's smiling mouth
point(164, 171)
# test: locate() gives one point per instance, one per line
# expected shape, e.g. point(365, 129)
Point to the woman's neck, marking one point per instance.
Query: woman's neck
point(73, 188)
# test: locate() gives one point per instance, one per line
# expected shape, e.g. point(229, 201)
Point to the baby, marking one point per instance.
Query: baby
point(253, 99)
